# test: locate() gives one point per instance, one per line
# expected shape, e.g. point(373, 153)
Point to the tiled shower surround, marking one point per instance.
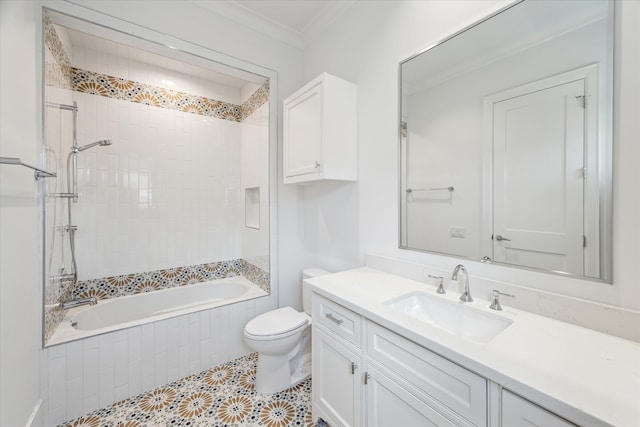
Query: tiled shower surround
point(169, 190)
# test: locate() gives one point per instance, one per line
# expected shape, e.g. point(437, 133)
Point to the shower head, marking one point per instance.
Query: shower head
point(102, 142)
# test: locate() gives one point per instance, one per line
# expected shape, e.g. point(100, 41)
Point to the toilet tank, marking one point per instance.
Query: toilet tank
point(309, 273)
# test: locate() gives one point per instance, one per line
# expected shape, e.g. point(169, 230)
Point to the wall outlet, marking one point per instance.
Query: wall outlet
point(457, 232)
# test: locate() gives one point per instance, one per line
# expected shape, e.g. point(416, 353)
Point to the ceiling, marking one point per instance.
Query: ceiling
point(295, 22)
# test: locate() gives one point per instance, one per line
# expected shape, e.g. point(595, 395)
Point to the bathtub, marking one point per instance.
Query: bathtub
point(132, 310)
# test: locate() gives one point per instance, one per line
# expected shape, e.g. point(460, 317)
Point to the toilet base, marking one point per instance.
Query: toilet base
point(278, 373)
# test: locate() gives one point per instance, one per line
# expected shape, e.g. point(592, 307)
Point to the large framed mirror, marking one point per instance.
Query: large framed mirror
point(506, 140)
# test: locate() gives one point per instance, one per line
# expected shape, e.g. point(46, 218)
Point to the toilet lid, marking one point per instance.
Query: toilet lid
point(276, 322)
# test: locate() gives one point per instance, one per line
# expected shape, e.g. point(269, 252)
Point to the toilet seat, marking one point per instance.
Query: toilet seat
point(274, 324)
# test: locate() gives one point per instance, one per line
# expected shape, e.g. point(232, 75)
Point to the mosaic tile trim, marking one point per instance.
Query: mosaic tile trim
point(62, 74)
point(134, 283)
point(256, 100)
point(128, 90)
point(222, 396)
point(55, 291)
point(255, 274)
point(57, 73)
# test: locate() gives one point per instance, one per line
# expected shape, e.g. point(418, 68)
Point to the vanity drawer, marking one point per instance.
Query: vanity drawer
point(338, 319)
point(452, 385)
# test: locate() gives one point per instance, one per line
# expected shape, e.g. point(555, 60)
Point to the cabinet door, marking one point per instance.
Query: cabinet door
point(457, 388)
point(303, 133)
point(390, 404)
point(336, 381)
point(517, 411)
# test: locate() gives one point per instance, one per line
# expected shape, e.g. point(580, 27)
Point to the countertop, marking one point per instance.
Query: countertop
point(585, 376)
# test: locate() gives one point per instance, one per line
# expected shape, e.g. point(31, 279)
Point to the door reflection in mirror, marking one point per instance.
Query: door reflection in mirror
point(515, 114)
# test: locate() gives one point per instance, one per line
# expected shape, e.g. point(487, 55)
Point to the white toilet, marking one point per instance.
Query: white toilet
point(282, 339)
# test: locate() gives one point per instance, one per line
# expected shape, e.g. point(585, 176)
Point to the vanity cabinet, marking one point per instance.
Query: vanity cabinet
point(452, 390)
point(336, 392)
point(517, 411)
point(366, 375)
point(390, 402)
point(336, 364)
point(320, 131)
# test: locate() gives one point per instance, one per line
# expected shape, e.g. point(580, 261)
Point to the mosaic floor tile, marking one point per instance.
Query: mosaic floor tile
point(221, 396)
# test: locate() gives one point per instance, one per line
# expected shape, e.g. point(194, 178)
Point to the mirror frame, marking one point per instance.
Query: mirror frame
point(606, 210)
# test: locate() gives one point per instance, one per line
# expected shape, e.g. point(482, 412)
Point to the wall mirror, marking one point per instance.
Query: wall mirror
point(155, 142)
point(506, 140)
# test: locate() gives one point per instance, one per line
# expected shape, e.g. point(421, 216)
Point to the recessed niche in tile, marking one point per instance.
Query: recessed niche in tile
point(252, 207)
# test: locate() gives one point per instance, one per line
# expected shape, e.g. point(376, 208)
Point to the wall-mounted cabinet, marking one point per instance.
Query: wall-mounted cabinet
point(320, 132)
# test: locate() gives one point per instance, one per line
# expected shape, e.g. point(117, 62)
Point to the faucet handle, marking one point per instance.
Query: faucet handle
point(495, 303)
point(440, 279)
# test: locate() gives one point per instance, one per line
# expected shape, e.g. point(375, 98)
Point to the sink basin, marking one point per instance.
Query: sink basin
point(454, 318)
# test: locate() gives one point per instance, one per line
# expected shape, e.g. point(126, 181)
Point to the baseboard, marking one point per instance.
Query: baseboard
point(36, 419)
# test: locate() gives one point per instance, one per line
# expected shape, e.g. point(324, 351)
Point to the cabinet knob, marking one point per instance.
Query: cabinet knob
point(317, 164)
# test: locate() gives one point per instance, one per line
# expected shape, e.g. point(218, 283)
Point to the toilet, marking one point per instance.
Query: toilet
point(282, 338)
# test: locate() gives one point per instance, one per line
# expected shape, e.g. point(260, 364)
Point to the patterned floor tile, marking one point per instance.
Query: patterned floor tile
point(222, 396)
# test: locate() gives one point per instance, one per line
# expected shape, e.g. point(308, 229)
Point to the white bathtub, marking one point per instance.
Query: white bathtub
point(132, 310)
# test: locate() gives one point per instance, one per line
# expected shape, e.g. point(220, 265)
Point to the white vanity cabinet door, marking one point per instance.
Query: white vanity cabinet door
point(320, 131)
point(337, 380)
point(461, 393)
point(517, 411)
point(390, 404)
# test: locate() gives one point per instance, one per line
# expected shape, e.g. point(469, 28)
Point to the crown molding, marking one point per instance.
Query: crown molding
point(235, 11)
point(327, 16)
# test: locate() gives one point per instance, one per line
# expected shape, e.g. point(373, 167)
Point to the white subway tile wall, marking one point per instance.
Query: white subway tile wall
point(166, 193)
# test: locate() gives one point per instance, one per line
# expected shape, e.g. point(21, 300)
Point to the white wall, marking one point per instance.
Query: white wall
point(365, 47)
point(20, 241)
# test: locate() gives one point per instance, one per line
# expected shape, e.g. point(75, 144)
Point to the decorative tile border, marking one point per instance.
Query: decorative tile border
point(255, 101)
point(135, 283)
point(256, 275)
point(57, 73)
point(55, 290)
point(128, 90)
point(62, 74)
point(224, 395)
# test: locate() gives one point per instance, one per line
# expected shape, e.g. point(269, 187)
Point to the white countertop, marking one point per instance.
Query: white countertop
point(590, 378)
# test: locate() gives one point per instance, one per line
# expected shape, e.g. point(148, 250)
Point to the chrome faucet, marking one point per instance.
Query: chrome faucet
point(495, 302)
point(78, 302)
point(466, 294)
point(440, 289)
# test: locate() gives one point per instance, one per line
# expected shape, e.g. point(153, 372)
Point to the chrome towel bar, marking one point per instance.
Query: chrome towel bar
point(411, 190)
point(39, 173)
